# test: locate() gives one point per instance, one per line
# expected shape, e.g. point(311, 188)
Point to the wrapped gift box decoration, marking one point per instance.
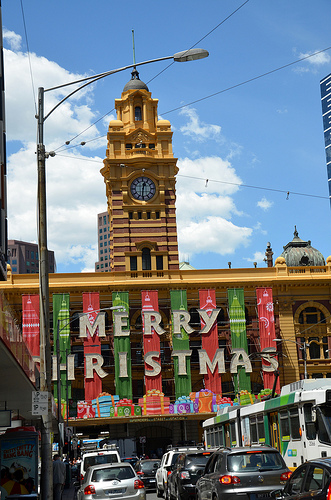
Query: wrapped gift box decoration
point(103, 403)
point(245, 398)
point(184, 404)
point(85, 410)
point(125, 411)
point(154, 402)
point(206, 400)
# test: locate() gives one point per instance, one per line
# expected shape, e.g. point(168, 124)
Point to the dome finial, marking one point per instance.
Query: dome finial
point(296, 234)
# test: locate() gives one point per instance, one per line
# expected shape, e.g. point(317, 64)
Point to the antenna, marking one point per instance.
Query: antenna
point(134, 50)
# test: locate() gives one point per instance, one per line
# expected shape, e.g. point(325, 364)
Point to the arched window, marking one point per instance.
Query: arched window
point(137, 114)
point(146, 259)
point(313, 324)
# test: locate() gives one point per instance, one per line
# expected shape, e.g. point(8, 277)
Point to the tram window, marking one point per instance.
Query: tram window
point(260, 429)
point(309, 424)
point(284, 426)
point(253, 429)
point(233, 434)
point(323, 414)
point(295, 423)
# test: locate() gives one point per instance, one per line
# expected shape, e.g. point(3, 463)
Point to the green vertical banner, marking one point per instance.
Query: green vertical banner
point(61, 328)
point(122, 350)
point(241, 379)
point(180, 342)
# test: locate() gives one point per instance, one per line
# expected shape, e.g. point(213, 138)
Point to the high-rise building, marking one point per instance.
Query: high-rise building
point(326, 110)
point(103, 243)
point(23, 257)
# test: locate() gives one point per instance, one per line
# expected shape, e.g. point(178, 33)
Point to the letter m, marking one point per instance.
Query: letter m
point(84, 325)
point(204, 361)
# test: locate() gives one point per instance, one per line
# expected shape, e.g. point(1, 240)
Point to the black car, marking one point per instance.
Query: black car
point(250, 472)
point(131, 460)
point(184, 474)
point(310, 480)
point(146, 470)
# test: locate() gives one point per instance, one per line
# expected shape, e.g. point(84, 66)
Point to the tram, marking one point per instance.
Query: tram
point(297, 423)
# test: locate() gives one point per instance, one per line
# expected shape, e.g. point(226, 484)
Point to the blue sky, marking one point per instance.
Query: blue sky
point(264, 134)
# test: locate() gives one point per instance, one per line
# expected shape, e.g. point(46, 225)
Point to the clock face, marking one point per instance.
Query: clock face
point(143, 188)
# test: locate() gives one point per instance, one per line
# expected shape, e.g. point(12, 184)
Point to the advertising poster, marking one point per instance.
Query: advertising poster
point(19, 464)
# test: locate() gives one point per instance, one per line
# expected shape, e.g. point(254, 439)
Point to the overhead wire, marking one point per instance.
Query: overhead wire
point(158, 74)
point(29, 57)
point(207, 181)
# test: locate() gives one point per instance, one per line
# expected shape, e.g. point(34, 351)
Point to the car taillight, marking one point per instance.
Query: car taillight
point(138, 484)
point(185, 474)
point(328, 495)
point(140, 473)
point(229, 480)
point(285, 476)
point(89, 490)
point(169, 472)
point(81, 477)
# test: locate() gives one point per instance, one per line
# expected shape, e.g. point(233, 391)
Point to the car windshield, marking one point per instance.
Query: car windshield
point(254, 461)
point(105, 474)
point(149, 466)
point(100, 459)
point(197, 459)
point(174, 458)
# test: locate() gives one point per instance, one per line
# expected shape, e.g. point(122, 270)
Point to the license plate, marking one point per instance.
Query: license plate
point(114, 492)
point(260, 496)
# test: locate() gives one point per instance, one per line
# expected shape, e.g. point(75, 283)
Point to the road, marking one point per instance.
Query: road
point(151, 495)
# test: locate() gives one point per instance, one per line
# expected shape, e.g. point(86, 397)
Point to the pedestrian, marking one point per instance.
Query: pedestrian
point(59, 477)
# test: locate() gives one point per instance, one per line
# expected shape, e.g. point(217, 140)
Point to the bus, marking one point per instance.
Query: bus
point(297, 423)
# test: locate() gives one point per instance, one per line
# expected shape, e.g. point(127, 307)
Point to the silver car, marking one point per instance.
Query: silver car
point(106, 481)
point(250, 473)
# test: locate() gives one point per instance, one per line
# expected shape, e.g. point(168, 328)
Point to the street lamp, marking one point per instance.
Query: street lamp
point(45, 348)
point(303, 347)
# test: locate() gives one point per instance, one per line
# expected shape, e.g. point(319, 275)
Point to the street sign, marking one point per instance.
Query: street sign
point(69, 431)
point(142, 439)
point(39, 403)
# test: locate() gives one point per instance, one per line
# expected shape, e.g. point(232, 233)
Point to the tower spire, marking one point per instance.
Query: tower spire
point(134, 50)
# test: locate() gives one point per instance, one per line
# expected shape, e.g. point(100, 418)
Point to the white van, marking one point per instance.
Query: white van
point(97, 457)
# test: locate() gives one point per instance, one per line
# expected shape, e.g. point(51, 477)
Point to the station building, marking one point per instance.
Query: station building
point(162, 342)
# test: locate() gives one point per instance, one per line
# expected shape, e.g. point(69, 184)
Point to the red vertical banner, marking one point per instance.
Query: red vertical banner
point(92, 345)
point(31, 330)
point(209, 341)
point(265, 309)
point(150, 302)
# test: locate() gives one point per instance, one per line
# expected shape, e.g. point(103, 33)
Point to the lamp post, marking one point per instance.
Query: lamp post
point(303, 347)
point(45, 349)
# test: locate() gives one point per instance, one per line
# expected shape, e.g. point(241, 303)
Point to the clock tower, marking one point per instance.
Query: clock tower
point(140, 176)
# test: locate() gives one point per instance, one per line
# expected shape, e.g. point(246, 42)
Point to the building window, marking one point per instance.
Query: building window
point(14, 261)
point(146, 259)
point(101, 252)
point(148, 215)
point(104, 236)
point(151, 146)
point(100, 230)
point(137, 113)
point(104, 229)
point(14, 269)
point(157, 215)
point(159, 262)
point(32, 254)
point(139, 215)
point(105, 219)
point(133, 263)
point(106, 243)
point(130, 215)
point(128, 146)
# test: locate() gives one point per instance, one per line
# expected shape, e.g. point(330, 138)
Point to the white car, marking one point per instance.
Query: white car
point(168, 460)
point(98, 457)
point(111, 481)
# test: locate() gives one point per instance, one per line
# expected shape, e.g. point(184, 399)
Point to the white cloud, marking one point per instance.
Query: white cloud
point(264, 204)
point(318, 59)
point(198, 130)
point(212, 234)
point(259, 257)
point(204, 208)
point(75, 188)
point(13, 39)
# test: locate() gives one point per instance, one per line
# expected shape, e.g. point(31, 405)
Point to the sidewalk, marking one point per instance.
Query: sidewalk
point(69, 493)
